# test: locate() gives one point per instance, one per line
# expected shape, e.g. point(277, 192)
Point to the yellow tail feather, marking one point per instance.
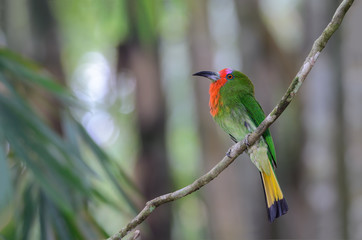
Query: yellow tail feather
point(276, 204)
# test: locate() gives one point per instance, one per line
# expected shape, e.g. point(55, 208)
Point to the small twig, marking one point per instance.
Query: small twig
point(135, 235)
point(240, 147)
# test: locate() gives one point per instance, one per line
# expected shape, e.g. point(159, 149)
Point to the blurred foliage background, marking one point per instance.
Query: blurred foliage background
point(99, 113)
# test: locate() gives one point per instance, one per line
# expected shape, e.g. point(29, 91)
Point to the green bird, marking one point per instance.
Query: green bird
point(235, 109)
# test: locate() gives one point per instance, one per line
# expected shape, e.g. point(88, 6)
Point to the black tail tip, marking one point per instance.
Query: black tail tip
point(278, 209)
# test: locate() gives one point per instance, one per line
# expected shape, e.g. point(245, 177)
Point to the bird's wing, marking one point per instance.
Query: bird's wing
point(257, 115)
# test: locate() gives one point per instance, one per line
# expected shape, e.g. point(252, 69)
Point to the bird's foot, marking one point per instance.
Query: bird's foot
point(246, 141)
point(228, 153)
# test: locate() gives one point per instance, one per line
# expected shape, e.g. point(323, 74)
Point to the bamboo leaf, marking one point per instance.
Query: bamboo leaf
point(29, 72)
point(28, 212)
point(58, 180)
point(5, 178)
point(105, 162)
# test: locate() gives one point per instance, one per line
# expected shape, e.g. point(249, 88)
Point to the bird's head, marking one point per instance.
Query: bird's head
point(232, 78)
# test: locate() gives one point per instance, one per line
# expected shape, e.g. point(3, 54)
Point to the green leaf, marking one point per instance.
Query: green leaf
point(72, 138)
point(5, 178)
point(40, 148)
point(28, 72)
point(29, 211)
point(52, 181)
point(106, 164)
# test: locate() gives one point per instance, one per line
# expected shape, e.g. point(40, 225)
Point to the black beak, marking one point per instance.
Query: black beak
point(213, 76)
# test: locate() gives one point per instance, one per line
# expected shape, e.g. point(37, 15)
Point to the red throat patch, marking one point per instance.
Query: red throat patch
point(214, 90)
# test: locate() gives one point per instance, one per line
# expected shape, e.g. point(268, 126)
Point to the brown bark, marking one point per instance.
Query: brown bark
point(139, 56)
point(269, 67)
point(152, 169)
point(38, 41)
point(47, 54)
point(351, 62)
point(223, 197)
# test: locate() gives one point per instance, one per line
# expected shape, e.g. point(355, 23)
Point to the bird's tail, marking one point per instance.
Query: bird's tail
point(275, 201)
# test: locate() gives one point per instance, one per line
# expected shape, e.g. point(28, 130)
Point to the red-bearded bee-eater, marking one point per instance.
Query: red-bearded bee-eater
point(235, 109)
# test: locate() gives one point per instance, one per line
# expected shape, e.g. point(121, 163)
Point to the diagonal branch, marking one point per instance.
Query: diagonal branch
point(240, 147)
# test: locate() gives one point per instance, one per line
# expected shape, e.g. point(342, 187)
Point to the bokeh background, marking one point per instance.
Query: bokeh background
point(99, 113)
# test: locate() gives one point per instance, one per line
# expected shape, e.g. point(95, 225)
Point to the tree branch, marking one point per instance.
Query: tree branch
point(240, 147)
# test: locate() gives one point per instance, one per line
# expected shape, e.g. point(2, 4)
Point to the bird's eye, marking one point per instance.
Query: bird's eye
point(229, 76)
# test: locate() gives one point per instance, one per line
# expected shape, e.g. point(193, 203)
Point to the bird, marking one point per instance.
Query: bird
point(234, 108)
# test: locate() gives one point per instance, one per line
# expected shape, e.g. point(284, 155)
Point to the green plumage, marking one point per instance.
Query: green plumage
point(235, 109)
point(239, 112)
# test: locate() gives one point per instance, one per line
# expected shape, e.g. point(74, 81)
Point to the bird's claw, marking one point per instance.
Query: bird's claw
point(228, 153)
point(246, 141)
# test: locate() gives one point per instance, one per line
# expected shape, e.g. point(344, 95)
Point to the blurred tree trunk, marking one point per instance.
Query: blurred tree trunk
point(339, 145)
point(153, 169)
point(16, 24)
point(324, 180)
point(44, 32)
point(269, 66)
point(31, 29)
point(38, 41)
point(223, 195)
point(351, 62)
point(46, 40)
point(139, 55)
point(3, 20)
point(47, 53)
